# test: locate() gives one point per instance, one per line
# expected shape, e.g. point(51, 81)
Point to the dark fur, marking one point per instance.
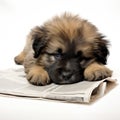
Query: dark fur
point(67, 49)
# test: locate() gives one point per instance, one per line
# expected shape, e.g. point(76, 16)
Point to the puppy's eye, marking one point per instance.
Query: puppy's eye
point(87, 58)
point(58, 56)
point(79, 54)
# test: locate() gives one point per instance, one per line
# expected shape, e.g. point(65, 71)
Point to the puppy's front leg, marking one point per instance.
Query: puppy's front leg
point(96, 71)
point(38, 76)
point(35, 74)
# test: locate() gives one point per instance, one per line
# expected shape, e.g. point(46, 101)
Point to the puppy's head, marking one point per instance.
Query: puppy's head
point(66, 45)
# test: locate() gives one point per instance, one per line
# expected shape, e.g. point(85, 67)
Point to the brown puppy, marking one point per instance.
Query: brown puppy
point(66, 49)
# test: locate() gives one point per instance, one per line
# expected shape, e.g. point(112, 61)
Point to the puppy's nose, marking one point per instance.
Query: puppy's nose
point(66, 75)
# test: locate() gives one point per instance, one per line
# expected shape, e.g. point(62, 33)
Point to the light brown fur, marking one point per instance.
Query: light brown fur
point(95, 70)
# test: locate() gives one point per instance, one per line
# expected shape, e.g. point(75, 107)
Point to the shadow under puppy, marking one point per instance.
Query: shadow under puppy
point(66, 49)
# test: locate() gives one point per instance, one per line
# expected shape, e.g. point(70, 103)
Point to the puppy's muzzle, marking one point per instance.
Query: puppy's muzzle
point(65, 74)
point(69, 73)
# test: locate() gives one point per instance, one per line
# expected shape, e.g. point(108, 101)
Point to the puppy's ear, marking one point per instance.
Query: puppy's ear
point(39, 40)
point(101, 50)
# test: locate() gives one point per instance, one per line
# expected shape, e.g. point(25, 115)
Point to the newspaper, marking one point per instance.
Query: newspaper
point(13, 82)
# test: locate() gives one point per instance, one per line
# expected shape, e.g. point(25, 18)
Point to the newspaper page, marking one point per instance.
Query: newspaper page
point(13, 82)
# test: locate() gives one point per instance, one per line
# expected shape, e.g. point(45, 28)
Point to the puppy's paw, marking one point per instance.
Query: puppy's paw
point(96, 72)
point(38, 76)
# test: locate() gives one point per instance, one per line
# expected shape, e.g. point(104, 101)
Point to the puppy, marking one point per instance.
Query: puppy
point(65, 50)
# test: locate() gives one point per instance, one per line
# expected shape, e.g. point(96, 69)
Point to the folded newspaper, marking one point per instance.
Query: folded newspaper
point(13, 82)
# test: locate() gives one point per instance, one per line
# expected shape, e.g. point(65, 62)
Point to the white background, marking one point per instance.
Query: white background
point(17, 17)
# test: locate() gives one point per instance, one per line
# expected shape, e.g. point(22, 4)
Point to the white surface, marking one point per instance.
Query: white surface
point(17, 17)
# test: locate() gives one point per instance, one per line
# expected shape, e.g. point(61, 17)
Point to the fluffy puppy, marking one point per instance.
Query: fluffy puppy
point(66, 49)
